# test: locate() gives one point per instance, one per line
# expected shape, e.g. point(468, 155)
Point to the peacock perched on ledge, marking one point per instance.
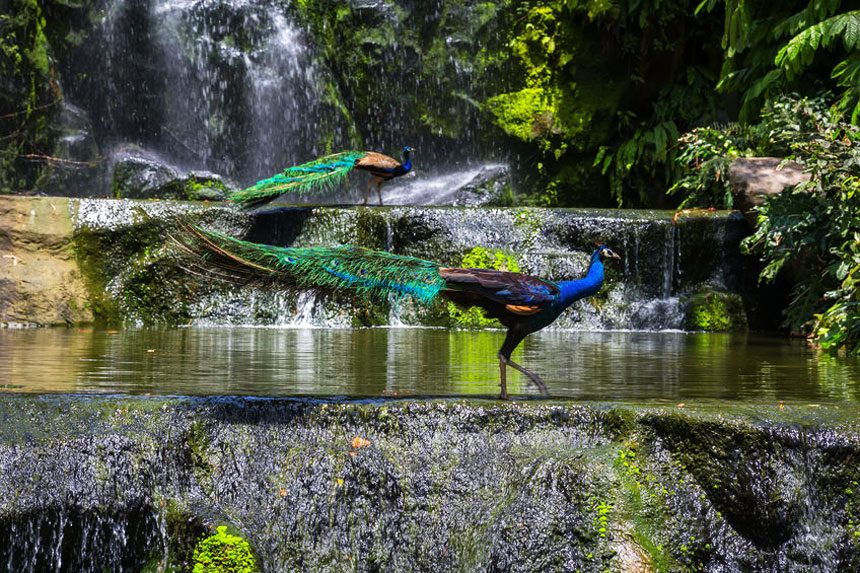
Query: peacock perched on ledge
point(522, 303)
point(324, 174)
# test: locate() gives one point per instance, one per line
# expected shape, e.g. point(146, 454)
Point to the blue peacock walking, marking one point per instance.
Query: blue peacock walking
point(522, 303)
point(325, 173)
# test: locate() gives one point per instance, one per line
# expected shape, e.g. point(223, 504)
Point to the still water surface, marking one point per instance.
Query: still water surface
point(425, 362)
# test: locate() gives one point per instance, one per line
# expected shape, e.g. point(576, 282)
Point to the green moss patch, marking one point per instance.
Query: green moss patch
point(716, 311)
point(224, 553)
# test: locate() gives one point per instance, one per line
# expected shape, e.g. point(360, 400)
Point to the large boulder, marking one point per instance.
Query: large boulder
point(755, 179)
point(139, 174)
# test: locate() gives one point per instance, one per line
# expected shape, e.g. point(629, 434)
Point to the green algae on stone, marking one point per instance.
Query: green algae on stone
point(716, 311)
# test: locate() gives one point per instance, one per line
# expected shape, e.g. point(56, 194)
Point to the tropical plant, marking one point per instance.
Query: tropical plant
point(810, 232)
point(813, 230)
point(771, 48)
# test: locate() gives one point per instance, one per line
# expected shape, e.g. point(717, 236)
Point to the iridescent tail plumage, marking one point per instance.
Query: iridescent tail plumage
point(316, 176)
point(371, 273)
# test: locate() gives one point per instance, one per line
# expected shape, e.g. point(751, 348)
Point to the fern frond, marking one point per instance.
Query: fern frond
point(798, 53)
point(369, 273)
point(315, 176)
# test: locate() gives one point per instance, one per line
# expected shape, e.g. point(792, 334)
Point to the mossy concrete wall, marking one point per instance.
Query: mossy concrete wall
point(430, 485)
point(113, 261)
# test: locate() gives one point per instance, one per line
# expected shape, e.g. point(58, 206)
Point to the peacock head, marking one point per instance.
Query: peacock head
point(604, 252)
point(407, 150)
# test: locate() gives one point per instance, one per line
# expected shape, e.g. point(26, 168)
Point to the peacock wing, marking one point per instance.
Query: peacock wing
point(373, 161)
point(515, 289)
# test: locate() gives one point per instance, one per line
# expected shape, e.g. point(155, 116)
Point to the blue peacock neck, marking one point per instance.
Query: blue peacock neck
point(572, 291)
point(407, 161)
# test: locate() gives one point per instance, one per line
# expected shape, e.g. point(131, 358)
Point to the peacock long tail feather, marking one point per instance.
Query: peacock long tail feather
point(315, 176)
point(371, 273)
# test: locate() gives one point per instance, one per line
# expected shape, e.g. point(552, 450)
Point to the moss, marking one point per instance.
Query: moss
point(525, 114)
point(223, 553)
point(208, 189)
point(30, 96)
point(91, 262)
point(716, 311)
point(641, 505)
point(198, 444)
point(481, 258)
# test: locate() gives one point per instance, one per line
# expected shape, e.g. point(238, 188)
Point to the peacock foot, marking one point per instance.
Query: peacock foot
point(536, 380)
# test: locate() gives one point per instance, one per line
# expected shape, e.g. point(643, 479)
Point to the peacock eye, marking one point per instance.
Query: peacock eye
point(335, 262)
point(291, 260)
point(362, 272)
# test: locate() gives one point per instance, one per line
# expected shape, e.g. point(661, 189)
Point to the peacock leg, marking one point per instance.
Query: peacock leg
point(366, 193)
point(512, 340)
point(379, 191)
point(503, 363)
point(533, 376)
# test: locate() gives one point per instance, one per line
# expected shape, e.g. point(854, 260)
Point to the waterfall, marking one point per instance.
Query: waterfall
point(224, 85)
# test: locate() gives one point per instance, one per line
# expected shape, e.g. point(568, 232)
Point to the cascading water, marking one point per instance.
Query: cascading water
point(224, 85)
point(665, 261)
point(125, 484)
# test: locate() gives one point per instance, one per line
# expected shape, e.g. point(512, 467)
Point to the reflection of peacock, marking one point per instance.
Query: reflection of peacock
point(524, 304)
point(325, 173)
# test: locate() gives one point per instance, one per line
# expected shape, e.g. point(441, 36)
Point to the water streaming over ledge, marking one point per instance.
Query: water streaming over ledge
point(130, 484)
point(664, 261)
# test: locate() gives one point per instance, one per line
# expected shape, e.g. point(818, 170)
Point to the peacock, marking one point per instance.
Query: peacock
point(325, 173)
point(522, 303)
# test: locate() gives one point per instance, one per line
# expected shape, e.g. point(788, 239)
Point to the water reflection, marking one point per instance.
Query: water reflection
point(401, 362)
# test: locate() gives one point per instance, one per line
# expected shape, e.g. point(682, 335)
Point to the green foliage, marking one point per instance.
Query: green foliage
point(223, 553)
point(481, 258)
point(28, 93)
point(706, 153)
point(522, 114)
point(814, 230)
point(772, 48)
point(588, 94)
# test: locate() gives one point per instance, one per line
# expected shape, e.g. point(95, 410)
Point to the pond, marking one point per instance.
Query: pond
point(400, 362)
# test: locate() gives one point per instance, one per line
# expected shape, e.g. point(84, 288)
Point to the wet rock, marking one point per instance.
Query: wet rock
point(136, 275)
point(76, 167)
point(432, 485)
point(491, 186)
point(138, 174)
point(755, 179)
